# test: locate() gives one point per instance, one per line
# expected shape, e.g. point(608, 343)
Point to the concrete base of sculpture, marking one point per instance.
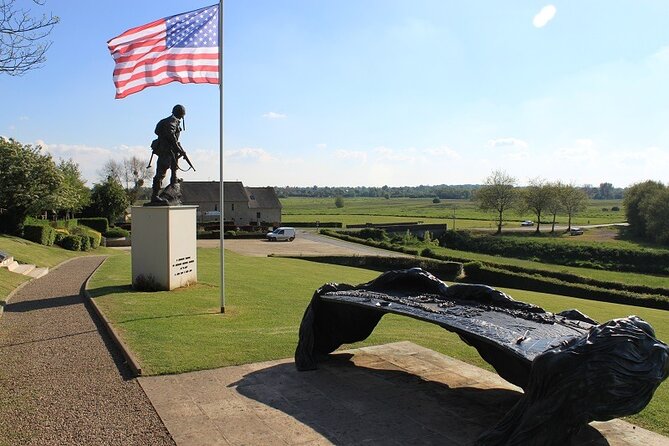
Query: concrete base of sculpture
point(572, 369)
point(164, 247)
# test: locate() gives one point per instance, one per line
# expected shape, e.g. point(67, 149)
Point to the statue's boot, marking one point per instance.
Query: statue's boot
point(155, 195)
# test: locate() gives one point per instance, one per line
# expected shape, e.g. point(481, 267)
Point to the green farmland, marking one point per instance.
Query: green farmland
point(467, 214)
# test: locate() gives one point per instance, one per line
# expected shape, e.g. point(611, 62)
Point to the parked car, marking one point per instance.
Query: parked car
point(576, 231)
point(527, 223)
point(282, 233)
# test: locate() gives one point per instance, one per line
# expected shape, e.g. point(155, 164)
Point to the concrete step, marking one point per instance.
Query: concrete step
point(39, 272)
point(12, 265)
point(6, 261)
point(24, 269)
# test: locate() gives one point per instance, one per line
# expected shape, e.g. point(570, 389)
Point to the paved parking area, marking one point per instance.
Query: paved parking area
point(390, 394)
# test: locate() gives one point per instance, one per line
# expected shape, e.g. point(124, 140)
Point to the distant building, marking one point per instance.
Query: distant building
point(244, 206)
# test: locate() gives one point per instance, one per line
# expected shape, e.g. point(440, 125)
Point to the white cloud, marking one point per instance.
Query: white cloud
point(249, 153)
point(351, 155)
point(442, 152)
point(582, 150)
point(388, 154)
point(544, 16)
point(507, 142)
point(274, 115)
point(321, 146)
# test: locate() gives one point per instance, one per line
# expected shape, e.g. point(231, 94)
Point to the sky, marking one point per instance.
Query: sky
point(372, 92)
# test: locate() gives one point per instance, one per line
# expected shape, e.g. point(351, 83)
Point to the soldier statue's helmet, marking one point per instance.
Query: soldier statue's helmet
point(179, 111)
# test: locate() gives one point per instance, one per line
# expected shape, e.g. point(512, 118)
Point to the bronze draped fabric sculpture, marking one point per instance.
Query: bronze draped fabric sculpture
point(572, 369)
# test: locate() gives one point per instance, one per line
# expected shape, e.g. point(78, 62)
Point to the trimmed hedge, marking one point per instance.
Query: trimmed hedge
point(100, 224)
point(94, 236)
point(537, 280)
point(475, 272)
point(39, 233)
point(443, 270)
point(116, 232)
point(312, 224)
point(65, 224)
point(71, 242)
point(571, 254)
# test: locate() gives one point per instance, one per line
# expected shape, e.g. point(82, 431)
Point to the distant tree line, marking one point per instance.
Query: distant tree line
point(442, 191)
point(605, 191)
point(33, 184)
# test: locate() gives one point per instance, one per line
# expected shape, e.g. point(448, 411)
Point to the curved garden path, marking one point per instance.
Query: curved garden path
point(62, 381)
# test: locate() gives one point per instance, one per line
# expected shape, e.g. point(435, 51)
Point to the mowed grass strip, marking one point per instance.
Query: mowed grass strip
point(182, 330)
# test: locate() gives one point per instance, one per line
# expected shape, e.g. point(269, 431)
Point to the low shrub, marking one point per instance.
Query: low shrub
point(116, 232)
point(65, 224)
point(229, 234)
point(100, 224)
point(71, 242)
point(94, 237)
point(39, 233)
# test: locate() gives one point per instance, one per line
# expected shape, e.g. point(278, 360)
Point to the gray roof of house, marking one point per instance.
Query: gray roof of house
point(263, 198)
point(193, 192)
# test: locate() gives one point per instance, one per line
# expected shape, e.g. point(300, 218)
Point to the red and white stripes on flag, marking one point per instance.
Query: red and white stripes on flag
point(182, 48)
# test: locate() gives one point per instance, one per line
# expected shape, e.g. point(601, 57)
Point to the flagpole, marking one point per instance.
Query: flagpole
point(221, 205)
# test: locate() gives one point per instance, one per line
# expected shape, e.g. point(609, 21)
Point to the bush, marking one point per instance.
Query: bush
point(85, 243)
point(65, 224)
point(615, 209)
point(436, 200)
point(116, 232)
point(71, 242)
point(100, 224)
point(42, 234)
point(94, 237)
point(229, 234)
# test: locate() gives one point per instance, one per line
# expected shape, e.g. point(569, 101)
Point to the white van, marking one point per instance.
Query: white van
point(282, 233)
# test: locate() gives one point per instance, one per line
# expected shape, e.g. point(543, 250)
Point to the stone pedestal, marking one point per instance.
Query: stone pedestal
point(164, 248)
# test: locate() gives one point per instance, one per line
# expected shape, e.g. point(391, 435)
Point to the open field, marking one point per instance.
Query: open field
point(359, 210)
point(178, 331)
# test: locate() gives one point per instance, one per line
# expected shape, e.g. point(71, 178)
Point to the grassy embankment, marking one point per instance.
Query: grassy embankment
point(380, 210)
point(178, 331)
point(25, 251)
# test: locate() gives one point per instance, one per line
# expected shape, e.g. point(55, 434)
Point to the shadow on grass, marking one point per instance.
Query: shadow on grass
point(107, 290)
point(349, 404)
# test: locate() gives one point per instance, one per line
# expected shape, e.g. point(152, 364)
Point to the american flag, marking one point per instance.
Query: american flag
point(182, 48)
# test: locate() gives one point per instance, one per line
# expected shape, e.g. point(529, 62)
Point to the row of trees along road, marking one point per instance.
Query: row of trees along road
point(31, 182)
point(500, 194)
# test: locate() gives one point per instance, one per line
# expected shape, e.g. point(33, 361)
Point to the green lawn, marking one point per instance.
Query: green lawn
point(25, 251)
point(182, 330)
point(409, 209)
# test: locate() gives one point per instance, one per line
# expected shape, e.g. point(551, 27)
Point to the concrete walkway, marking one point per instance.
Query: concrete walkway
point(62, 382)
point(393, 394)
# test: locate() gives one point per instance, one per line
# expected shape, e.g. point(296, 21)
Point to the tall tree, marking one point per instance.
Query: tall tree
point(135, 173)
point(573, 201)
point(109, 200)
point(554, 206)
point(73, 195)
point(23, 43)
point(657, 217)
point(27, 179)
point(497, 194)
point(536, 198)
point(638, 201)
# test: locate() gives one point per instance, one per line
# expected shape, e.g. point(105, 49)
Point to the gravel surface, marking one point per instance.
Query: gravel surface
point(62, 381)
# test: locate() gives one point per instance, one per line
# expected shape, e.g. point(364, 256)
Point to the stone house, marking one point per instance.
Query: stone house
point(243, 206)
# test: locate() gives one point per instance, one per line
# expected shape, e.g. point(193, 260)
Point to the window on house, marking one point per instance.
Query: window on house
point(233, 206)
point(258, 215)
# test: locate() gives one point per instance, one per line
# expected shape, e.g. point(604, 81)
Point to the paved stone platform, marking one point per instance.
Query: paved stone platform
point(390, 394)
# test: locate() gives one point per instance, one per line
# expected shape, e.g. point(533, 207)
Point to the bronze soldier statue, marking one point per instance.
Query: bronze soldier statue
point(169, 150)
